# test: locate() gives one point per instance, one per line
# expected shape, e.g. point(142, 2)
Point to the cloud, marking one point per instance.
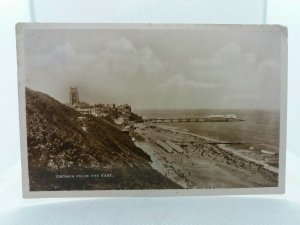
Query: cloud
point(120, 45)
point(180, 82)
point(229, 56)
point(269, 67)
point(104, 74)
point(120, 70)
point(123, 60)
point(244, 81)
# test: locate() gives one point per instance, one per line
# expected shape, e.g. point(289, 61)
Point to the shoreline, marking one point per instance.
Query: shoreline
point(158, 165)
point(189, 133)
point(265, 165)
point(202, 164)
point(224, 146)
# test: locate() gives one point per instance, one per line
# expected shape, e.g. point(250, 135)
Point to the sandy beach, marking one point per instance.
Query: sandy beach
point(193, 161)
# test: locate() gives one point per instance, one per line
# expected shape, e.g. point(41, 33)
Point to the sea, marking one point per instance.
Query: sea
point(259, 129)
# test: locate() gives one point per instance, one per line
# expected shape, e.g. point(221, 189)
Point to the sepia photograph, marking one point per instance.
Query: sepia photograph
point(152, 107)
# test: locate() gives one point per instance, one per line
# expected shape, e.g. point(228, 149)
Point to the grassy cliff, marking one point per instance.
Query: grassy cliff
point(69, 151)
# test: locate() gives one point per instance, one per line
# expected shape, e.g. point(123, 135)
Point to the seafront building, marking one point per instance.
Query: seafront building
point(222, 117)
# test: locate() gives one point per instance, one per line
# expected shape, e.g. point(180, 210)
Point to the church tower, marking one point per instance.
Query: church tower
point(74, 96)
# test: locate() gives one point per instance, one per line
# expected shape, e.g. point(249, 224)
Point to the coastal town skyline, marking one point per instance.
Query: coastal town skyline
point(86, 101)
point(157, 70)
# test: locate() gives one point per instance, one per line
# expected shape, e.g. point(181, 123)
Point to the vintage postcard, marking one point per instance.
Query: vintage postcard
point(152, 110)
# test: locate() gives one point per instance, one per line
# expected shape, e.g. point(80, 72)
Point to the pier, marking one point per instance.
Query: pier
point(193, 119)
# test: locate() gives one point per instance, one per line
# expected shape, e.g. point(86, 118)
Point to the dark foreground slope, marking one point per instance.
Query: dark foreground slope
point(69, 151)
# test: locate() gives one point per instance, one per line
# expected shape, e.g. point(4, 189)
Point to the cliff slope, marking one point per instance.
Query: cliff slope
point(69, 151)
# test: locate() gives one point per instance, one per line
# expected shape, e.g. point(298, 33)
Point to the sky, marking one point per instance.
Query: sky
point(157, 68)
